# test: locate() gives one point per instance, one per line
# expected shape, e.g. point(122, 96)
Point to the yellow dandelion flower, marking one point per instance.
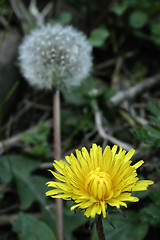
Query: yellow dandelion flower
point(97, 179)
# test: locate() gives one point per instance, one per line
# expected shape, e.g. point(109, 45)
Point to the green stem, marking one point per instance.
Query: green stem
point(57, 156)
point(99, 226)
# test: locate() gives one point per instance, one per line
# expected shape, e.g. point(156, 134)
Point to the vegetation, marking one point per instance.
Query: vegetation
point(119, 102)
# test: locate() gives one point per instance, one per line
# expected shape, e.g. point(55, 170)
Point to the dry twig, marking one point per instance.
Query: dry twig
point(10, 219)
point(133, 91)
point(14, 139)
point(103, 134)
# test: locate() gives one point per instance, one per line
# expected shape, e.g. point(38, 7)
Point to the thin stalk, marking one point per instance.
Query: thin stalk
point(57, 156)
point(99, 226)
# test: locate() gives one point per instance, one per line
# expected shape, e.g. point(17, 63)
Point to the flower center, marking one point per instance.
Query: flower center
point(98, 184)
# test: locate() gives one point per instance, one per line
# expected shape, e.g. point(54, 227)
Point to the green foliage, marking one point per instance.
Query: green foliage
point(98, 37)
point(139, 71)
point(36, 141)
point(119, 8)
point(77, 220)
point(63, 18)
point(82, 95)
point(30, 188)
point(151, 213)
point(138, 19)
point(30, 228)
point(125, 228)
point(150, 133)
point(154, 108)
point(155, 30)
point(126, 25)
point(10, 165)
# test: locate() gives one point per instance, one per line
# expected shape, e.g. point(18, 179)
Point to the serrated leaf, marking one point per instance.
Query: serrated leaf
point(155, 119)
point(153, 131)
point(30, 228)
point(154, 108)
point(151, 212)
point(36, 140)
point(98, 37)
point(138, 19)
point(142, 134)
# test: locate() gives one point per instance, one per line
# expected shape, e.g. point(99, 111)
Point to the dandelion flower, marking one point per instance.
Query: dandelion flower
point(54, 55)
point(98, 179)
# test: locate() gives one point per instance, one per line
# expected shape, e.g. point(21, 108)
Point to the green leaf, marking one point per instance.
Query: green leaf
point(155, 194)
point(125, 228)
point(120, 7)
point(36, 141)
point(78, 95)
point(10, 164)
point(154, 108)
point(155, 30)
point(65, 18)
point(5, 170)
point(1, 195)
point(98, 37)
point(138, 19)
point(11, 92)
point(71, 220)
point(141, 134)
point(31, 189)
point(30, 228)
point(153, 131)
point(150, 214)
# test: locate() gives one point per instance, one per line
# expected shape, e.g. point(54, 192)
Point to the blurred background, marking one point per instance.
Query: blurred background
point(119, 103)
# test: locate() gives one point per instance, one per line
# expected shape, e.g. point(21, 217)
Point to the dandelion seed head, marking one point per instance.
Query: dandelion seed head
point(55, 55)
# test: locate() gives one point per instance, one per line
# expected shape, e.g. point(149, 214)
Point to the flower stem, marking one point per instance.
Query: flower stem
point(57, 155)
point(99, 226)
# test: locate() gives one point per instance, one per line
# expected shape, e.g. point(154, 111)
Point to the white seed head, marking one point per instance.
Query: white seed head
point(54, 55)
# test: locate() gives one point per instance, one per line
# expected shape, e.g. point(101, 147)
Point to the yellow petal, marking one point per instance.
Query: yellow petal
point(129, 155)
point(52, 192)
point(114, 150)
point(142, 185)
point(103, 206)
point(138, 164)
point(58, 176)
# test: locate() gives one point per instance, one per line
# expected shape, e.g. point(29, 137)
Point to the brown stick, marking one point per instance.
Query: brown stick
point(99, 226)
point(10, 219)
point(103, 134)
point(135, 90)
point(16, 138)
point(57, 155)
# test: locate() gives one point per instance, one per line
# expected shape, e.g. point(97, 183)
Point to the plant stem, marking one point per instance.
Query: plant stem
point(57, 155)
point(99, 226)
